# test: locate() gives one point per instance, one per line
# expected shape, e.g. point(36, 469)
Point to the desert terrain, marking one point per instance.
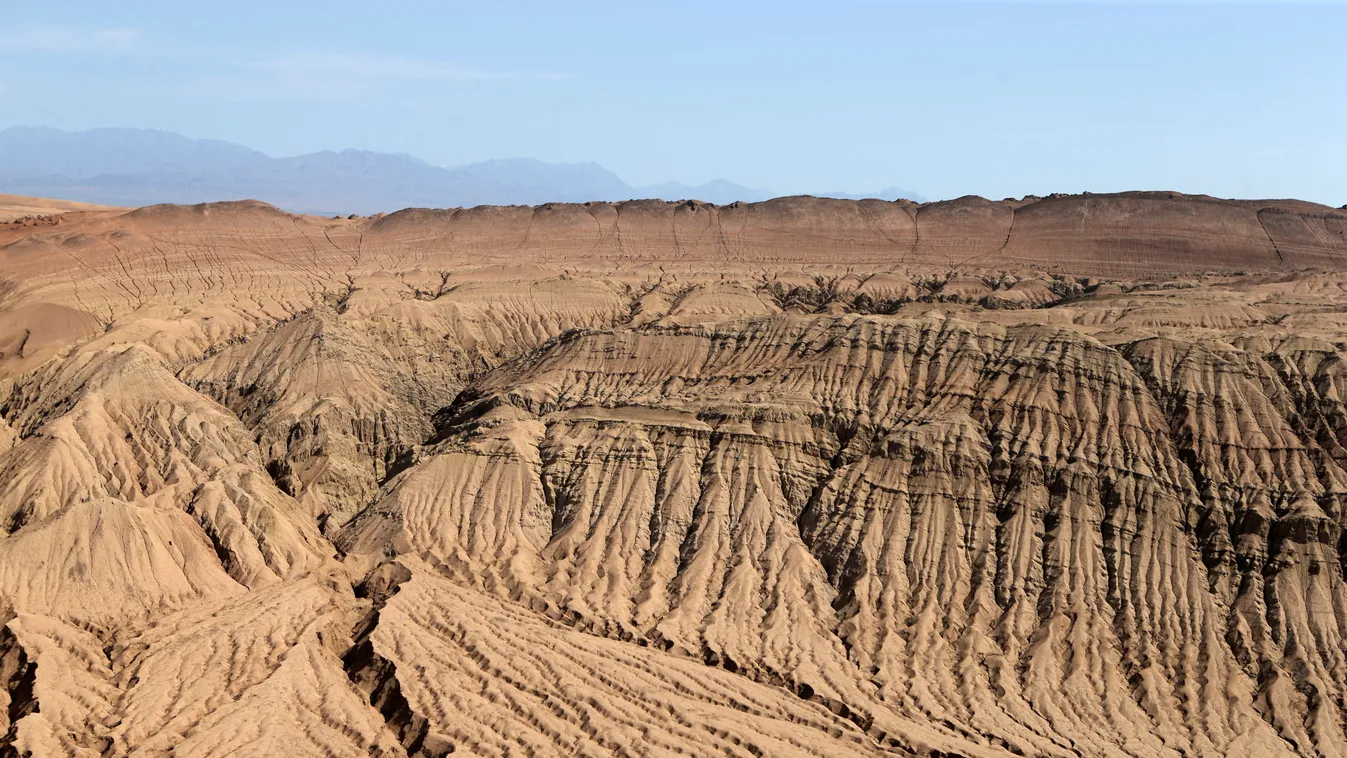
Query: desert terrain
point(1059, 476)
point(16, 207)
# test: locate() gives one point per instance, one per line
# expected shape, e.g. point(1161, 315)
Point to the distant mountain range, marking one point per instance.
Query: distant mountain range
point(136, 167)
point(888, 193)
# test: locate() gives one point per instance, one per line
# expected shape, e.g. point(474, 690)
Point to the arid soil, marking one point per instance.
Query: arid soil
point(1046, 477)
point(16, 207)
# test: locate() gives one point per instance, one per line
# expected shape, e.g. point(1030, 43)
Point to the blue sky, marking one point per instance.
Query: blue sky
point(999, 99)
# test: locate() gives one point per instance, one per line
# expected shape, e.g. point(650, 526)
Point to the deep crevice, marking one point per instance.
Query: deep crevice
point(376, 676)
point(18, 676)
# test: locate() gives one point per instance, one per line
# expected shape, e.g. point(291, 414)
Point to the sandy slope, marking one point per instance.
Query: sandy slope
point(1045, 477)
point(14, 207)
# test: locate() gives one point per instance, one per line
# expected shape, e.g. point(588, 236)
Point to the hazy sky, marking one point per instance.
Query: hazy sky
point(945, 99)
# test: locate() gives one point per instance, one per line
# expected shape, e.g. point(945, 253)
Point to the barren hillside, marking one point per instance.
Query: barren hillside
point(16, 207)
point(1060, 476)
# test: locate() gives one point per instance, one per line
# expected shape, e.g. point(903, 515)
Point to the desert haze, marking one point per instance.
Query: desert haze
point(1057, 476)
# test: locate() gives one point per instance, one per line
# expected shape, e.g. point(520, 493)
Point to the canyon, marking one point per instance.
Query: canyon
point(1058, 476)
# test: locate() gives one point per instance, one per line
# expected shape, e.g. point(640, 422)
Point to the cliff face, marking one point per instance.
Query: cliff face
point(796, 478)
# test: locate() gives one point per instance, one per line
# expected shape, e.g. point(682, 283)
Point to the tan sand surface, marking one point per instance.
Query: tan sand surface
point(15, 207)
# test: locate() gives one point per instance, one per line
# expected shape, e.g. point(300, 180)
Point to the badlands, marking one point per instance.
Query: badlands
point(1059, 476)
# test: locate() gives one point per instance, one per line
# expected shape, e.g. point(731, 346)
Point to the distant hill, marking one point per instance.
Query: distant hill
point(17, 206)
point(889, 193)
point(147, 166)
point(136, 167)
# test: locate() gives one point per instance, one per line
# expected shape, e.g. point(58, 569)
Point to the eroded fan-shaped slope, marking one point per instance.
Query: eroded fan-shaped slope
point(898, 515)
